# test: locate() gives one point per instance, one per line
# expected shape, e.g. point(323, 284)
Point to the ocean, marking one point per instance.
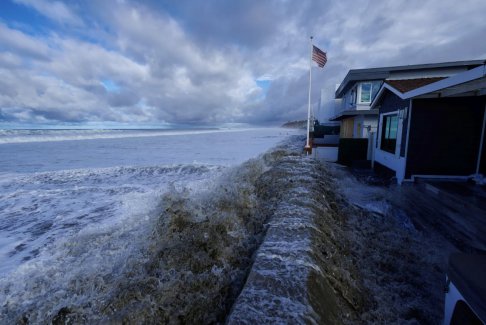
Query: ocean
point(82, 213)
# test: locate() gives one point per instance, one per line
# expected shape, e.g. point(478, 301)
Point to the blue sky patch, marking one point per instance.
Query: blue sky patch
point(110, 85)
point(264, 84)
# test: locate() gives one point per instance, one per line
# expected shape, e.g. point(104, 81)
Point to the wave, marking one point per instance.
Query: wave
point(278, 239)
point(157, 265)
point(186, 257)
point(25, 136)
point(41, 208)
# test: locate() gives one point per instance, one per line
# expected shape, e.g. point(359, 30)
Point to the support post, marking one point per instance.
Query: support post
point(478, 177)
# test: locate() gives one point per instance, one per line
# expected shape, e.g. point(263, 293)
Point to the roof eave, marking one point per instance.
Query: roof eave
point(353, 113)
point(357, 75)
point(454, 80)
point(382, 91)
point(384, 72)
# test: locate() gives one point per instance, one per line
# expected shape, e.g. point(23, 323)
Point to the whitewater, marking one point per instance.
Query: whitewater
point(83, 212)
point(205, 227)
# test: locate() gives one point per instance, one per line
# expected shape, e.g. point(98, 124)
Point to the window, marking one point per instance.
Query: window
point(365, 92)
point(389, 133)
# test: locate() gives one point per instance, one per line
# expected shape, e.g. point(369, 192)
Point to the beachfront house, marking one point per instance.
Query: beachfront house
point(358, 91)
point(353, 99)
point(432, 125)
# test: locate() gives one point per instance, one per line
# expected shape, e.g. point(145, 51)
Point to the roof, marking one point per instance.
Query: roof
point(405, 85)
point(470, 82)
point(353, 112)
point(355, 75)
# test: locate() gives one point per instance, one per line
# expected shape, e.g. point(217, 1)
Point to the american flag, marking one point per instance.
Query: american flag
point(319, 56)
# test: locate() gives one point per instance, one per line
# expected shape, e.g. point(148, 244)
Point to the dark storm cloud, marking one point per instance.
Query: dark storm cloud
point(199, 61)
point(219, 22)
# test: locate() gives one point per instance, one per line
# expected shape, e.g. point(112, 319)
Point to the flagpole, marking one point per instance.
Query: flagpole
point(307, 146)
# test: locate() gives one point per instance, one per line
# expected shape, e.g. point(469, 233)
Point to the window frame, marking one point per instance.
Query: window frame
point(389, 143)
point(360, 92)
point(352, 96)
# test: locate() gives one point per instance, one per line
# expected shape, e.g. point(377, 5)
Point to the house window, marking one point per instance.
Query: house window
point(365, 93)
point(389, 133)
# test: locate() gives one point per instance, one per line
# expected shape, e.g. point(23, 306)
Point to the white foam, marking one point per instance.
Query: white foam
point(69, 234)
point(23, 136)
point(42, 208)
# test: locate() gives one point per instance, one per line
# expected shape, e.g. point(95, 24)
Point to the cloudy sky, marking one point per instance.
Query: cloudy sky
point(156, 63)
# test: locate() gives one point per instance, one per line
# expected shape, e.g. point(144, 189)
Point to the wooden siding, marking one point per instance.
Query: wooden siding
point(347, 128)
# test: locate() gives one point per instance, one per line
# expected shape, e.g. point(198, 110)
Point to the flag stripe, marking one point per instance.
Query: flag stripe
point(319, 56)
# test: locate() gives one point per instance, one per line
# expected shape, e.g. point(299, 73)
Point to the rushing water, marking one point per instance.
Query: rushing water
point(82, 214)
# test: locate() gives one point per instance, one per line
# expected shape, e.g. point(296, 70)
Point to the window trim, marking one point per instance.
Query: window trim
point(389, 144)
point(353, 101)
point(360, 100)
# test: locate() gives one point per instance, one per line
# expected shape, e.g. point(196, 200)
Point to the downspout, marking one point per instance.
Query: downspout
point(408, 134)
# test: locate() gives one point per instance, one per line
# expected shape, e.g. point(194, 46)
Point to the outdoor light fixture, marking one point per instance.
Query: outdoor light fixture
point(402, 114)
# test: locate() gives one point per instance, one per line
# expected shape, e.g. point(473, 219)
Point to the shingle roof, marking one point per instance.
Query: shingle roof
point(405, 85)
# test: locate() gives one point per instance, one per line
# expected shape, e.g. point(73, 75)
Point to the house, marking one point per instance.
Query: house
point(360, 86)
point(359, 89)
point(433, 126)
point(353, 98)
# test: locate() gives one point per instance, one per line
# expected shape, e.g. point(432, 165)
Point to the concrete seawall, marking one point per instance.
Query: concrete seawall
point(339, 251)
point(294, 278)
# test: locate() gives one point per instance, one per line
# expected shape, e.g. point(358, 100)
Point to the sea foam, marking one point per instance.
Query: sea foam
point(93, 244)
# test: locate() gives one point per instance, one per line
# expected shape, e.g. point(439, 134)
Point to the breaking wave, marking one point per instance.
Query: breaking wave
point(177, 255)
point(262, 242)
point(22, 136)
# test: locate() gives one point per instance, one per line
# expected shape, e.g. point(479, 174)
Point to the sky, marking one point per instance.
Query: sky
point(213, 62)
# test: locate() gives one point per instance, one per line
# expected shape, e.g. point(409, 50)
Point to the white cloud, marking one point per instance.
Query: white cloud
point(54, 10)
point(24, 45)
point(202, 64)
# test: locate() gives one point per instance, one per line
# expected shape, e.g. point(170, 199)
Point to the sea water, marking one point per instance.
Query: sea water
point(77, 207)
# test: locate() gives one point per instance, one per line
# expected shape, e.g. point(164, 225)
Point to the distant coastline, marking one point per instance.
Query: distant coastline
point(295, 124)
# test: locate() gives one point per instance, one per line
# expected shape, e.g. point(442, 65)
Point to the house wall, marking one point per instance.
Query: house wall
point(363, 125)
point(362, 107)
point(372, 122)
point(347, 128)
point(391, 160)
point(444, 136)
point(351, 99)
point(390, 103)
